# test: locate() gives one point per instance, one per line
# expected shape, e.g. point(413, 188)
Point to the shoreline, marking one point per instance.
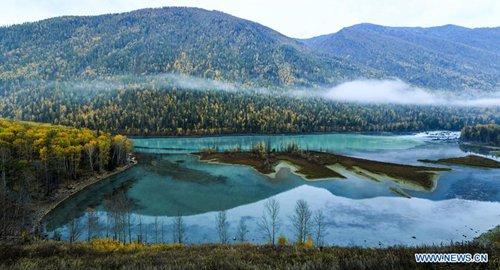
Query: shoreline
point(381, 133)
point(485, 145)
point(285, 164)
point(318, 166)
point(63, 193)
point(282, 164)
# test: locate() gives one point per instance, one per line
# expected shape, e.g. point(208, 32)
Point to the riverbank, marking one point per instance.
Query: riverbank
point(40, 209)
point(368, 133)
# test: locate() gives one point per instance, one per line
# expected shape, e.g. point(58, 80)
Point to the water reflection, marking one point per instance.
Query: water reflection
point(359, 211)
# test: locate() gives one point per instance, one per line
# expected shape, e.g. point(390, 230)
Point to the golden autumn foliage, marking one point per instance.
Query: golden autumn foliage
point(35, 159)
point(109, 245)
point(309, 242)
point(282, 241)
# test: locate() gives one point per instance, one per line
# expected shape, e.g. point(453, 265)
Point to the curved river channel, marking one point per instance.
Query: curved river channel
point(169, 181)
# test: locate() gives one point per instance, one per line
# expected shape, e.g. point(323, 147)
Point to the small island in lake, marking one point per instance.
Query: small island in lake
point(470, 160)
point(314, 165)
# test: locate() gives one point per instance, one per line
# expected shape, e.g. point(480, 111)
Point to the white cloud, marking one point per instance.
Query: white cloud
point(293, 18)
point(19, 11)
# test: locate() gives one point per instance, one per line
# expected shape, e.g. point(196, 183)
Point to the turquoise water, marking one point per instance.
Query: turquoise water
point(169, 181)
point(340, 143)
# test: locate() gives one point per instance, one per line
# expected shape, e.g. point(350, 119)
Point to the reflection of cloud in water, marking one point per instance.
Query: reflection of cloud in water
point(359, 210)
point(366, 222)
point(361, 215)
point(394, 220)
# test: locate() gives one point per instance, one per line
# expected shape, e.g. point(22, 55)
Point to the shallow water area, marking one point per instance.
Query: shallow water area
point(169, 181)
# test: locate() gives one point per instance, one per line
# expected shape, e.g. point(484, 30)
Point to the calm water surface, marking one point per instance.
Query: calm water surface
point(169, 181)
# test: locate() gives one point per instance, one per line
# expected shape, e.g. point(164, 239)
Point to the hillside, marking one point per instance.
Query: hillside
point(158, 110)
point(193, 41)
point(447, 57)
point(215, 45)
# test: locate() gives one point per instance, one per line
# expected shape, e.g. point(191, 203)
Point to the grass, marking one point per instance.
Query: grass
point(106, 254)
point(470, 160)
point(314, 165)
point(490, 238)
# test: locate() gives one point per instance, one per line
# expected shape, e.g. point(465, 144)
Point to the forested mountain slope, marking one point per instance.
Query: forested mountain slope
point(215, 45)
point(447, 57)
point(176, 111)
point(84, 72)
point(193, 41)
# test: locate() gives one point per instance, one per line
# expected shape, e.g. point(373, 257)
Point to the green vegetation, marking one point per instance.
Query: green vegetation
point(83, 72)
point(198, 42)
point(35, 159)
point(105, 254)
point(490, 238)
point(445, 57)
point(174, 111)
point(483, 134)
point(211, 44)
point(318, 165)
point(470, 160)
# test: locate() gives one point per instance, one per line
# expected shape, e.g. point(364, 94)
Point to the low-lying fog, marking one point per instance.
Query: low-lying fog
point(398, 92)
point(389, 91)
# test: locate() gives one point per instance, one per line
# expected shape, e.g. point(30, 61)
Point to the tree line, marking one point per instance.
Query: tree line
point(35, 159)
point(484, 134)
point(178, 112)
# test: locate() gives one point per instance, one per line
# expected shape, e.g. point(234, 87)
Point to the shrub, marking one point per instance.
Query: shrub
point(309, 242)
point(26, 237)
point(282, 241)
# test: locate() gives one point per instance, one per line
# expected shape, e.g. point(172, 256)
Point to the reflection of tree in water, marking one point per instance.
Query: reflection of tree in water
point(91, 198)
point(119, 210)
point(478, 149)
point(309, 227)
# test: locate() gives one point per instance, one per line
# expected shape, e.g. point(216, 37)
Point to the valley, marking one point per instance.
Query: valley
point(183, 137)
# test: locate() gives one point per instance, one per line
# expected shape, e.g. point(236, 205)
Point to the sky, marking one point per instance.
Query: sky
point(294, 18)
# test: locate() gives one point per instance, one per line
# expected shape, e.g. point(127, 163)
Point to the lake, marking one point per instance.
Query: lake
point(169, 181)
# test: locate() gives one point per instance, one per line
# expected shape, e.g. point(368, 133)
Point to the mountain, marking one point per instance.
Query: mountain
point(193, 41)
point(446, 57)
point(215, 45)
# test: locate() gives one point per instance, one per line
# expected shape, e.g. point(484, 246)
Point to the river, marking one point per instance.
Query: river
point(358, 212)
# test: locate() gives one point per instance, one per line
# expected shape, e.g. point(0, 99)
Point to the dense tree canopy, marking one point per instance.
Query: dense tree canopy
point(445, 57)
point(207, 44)
point(173, 111)
point(36, 158)
point(216, 45)
point(484, 134)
